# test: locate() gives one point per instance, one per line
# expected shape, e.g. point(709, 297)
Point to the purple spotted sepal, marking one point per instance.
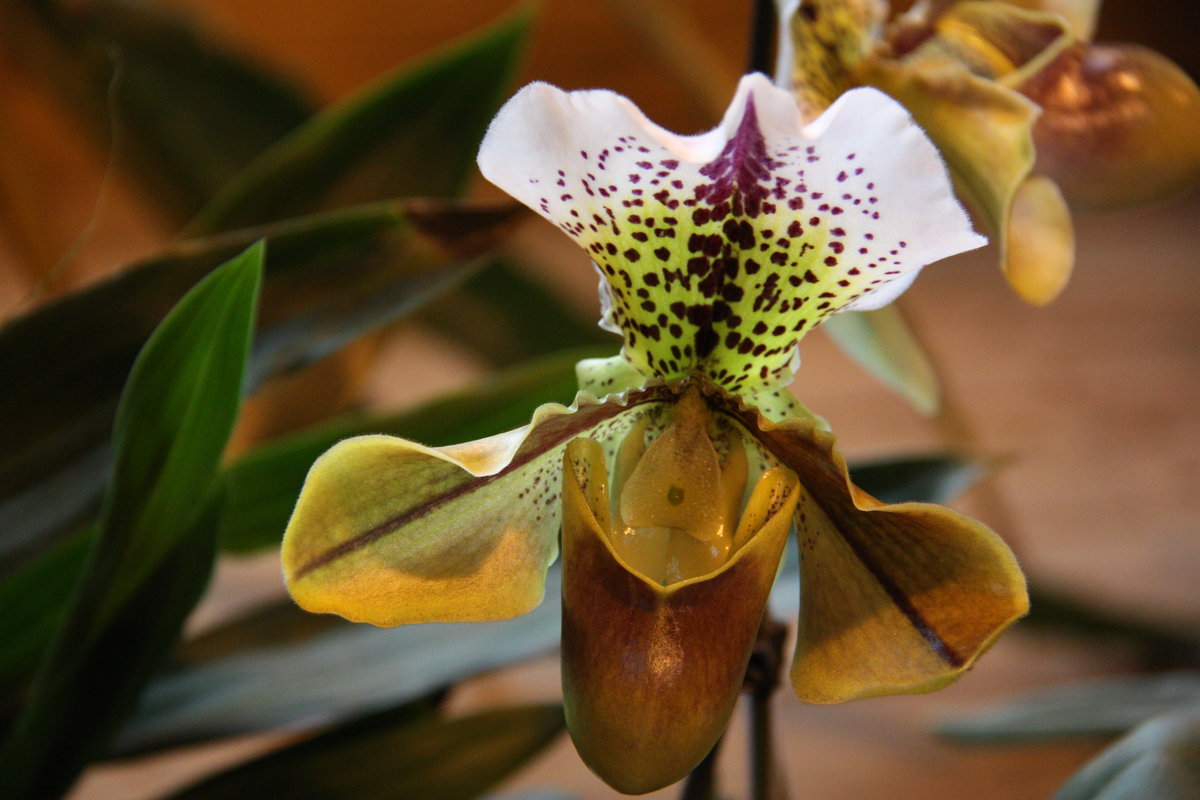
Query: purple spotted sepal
point(720, 251)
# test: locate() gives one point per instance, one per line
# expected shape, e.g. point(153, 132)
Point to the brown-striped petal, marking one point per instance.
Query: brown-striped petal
point(894, 598)
point(651, 673)
point(1119, 124)
point(391, 532)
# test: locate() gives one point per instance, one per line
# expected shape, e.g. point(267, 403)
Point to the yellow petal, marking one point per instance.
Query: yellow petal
point(1039, 248)
point(651, 673)
point(894, 598)
point(995, 40)
point(982, 129)
point(1080, 15)
point(389, 531)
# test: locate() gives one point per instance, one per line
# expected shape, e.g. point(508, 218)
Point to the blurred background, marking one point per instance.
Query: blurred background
point(1087, 407)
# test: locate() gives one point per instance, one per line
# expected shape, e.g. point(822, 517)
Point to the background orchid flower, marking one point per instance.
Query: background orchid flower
point(684, 461)
point(1027, 113)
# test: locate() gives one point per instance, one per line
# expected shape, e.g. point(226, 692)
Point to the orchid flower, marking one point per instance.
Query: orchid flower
point(1029, 114)
point(684, 462)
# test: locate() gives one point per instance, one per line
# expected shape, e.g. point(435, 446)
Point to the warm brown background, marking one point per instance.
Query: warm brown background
point(1090, 402)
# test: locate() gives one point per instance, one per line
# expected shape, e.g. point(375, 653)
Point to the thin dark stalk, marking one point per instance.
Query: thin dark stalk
point(761, 55)
point(762, 748)
point(702, 781)
point(762, 679)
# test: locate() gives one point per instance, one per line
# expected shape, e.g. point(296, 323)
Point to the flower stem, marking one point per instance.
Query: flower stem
point(702, 782)
point(762, 679)
point(762, 37)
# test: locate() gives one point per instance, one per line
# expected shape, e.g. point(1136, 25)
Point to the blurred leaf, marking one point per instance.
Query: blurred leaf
point(881, 342)
point(1159, 760)
point(413, 133)
point(297, 683)
point(1158, 645)
point(265, 482)
point(1107, 707)
point(34, 598)
point(506, 317)
point(192, 112)
point(923, 479)
point(329, 278)
point(390, 755)
point(273, 624)
point(154, 542)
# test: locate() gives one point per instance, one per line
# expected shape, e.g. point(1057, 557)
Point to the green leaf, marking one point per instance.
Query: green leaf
point(506, 317)
point(329, 278)
point(34, 598)
point(923, 479)
point(191, 113)
point(390, 755)
point(155, 536)
point(264, 483)
point(296, 681)
point(413, 133)
point(1155, 643)
point(1099, 708)
point(881, 342)
point(262, 489)
point(1160, 760)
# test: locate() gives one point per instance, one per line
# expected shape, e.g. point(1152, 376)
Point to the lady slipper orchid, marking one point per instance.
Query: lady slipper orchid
point(678, 472)
point(1028, 113)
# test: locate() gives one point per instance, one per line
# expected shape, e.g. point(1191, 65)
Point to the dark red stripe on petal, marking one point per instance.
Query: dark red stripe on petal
point(556, 432)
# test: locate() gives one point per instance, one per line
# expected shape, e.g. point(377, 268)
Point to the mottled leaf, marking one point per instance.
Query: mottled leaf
point(155, 537)
point(392, 755)
point(412, 133)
